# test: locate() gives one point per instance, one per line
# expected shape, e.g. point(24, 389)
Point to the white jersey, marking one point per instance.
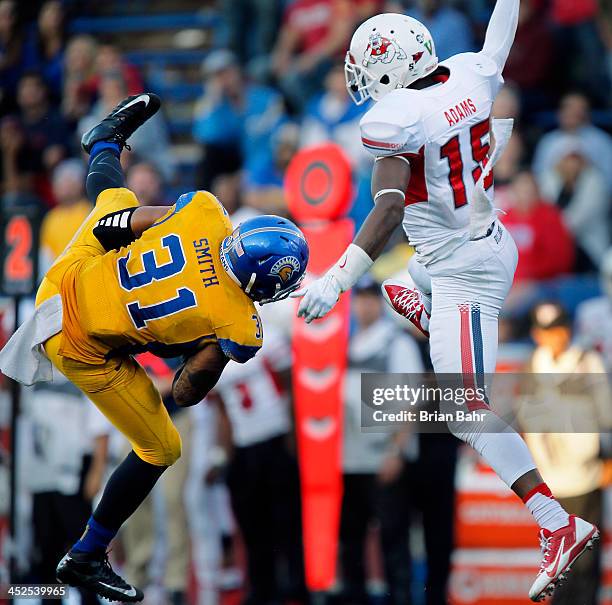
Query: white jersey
point(256, 402)
point(443, 131)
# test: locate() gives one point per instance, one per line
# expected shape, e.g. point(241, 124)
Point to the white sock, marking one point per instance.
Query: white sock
point(547, 512)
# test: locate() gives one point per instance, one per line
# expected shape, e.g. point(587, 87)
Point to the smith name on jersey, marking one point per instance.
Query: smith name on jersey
point(166, 292)
point(443, 131)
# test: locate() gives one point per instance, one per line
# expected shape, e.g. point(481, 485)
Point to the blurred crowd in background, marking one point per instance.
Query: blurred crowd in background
point(245, 85)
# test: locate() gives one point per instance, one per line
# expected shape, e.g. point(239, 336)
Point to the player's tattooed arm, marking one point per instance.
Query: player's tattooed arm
point(390, 179)
point(198, 375)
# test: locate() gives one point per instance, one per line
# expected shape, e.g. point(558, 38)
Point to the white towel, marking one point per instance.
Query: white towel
point(23, 357)
point(482, 212)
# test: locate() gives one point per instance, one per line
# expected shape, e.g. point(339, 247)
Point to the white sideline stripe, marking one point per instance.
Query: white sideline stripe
point(493, 557)
point(270, 230)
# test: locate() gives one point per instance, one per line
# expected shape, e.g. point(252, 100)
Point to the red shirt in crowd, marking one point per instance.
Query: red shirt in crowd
point(571, 12)
point(545, 246)
point(529, 63)
point(311, 19)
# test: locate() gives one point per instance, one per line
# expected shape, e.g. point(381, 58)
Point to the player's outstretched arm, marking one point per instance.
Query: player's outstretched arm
point(198, 375)
point(389, 182)
point(501, 31)
point(390, 179)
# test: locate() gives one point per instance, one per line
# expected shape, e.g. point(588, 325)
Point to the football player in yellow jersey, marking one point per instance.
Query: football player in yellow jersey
point(174, 281)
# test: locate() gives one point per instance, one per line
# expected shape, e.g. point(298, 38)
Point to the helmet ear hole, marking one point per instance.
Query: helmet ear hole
point(385, 79)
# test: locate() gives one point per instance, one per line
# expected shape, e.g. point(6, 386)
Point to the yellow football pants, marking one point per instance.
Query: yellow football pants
point(120, 388)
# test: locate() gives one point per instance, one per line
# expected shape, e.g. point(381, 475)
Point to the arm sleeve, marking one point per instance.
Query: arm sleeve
point(114, 231)
point(501, 31)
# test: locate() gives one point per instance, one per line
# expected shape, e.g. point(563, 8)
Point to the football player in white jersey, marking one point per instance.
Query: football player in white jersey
point(429, 131)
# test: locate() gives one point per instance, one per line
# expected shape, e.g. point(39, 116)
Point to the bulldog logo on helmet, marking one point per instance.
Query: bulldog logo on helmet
point(382, 49)
point(285, 268)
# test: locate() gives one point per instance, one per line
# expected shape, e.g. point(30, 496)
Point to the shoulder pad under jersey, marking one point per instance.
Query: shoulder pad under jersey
point(475, 62)
point(394, 124)
point(480, 66)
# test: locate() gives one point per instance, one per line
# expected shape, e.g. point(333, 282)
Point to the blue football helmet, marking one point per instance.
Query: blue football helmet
point(266, 256)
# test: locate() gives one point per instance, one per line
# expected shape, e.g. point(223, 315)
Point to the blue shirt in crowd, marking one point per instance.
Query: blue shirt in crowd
point(450, 30)
point(249, 128)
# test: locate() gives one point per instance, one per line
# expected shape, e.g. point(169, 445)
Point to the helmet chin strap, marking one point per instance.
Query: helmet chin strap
point(250, 284)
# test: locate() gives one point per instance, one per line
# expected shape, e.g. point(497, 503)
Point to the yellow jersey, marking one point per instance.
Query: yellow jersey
point(166, 292)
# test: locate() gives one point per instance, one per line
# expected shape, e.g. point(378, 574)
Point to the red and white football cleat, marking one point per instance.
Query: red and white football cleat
point(561, 548)
point(407, 302)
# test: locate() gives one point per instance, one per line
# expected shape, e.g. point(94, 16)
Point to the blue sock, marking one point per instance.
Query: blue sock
point(101, 146)
point(95, 538)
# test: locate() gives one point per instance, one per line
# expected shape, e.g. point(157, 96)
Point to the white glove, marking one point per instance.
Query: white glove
point(319, 297)
point(322, 294)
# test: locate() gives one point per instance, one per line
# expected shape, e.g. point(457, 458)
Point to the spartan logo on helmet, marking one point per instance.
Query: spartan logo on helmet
point(382, 49)
point(285, 268)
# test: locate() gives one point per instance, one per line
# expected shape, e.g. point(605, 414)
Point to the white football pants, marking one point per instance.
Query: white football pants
point(468, 291)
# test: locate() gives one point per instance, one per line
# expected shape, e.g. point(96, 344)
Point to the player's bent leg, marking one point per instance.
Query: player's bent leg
point(123, 392)
point(413, 303)
point(464, 342)
point(420, 277)
point(105, 171)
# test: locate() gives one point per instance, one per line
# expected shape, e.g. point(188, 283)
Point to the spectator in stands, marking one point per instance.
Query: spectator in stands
point(529, 65)
point(507, 168)
point(45, 129)
point(264, 184)
point(575, 121)
point(580, 49)
point(11, 48)
point(332, 116)
point(579, 190)
point(594, 316)
point(17, 181)
point(577, 396)
point(40, 141)
point(227, 188)
point(79, 73)
point(545, 246)
point(509, 165)
point(234, 121)
point(62, 221)
point(449, 27)
point(147, 184)
point(262, 474)
point(150, 142)
point(369, 459)
point(507, 104)
point(44, 49)
point(109, 60)
point(252, 28)
point(314, 33)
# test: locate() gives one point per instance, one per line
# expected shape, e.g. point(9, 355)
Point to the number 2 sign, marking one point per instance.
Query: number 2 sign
point(19, 251)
